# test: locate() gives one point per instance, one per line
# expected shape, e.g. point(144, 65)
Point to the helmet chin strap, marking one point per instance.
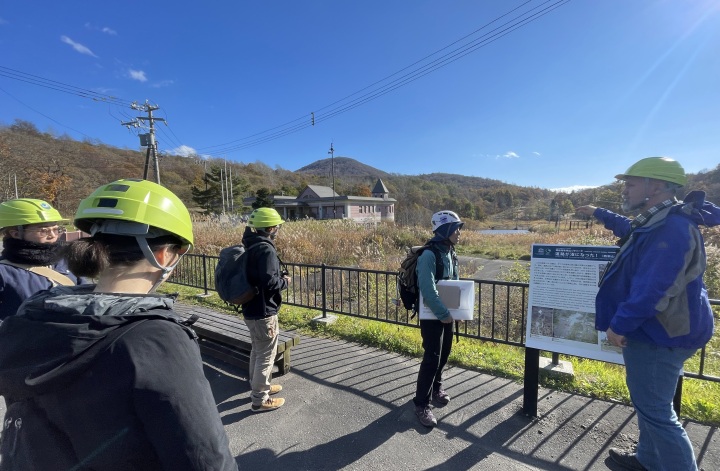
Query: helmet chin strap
point(150, 257)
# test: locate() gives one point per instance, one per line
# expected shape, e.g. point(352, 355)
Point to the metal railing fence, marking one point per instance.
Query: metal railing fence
point(499, 313)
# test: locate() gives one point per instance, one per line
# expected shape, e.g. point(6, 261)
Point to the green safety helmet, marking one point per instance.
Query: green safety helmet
point(262, 218)
point(134, 207)
point(24, 211)
point(659, 168)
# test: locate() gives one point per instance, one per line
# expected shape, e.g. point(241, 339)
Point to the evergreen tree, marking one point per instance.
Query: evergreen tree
point(263, 199)
point(215, 198)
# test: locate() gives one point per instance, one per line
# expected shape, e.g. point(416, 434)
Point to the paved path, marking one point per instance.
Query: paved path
point(349, 407)
point(485, 269)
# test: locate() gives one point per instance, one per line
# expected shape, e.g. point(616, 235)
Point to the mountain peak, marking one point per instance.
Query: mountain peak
point(343, 167)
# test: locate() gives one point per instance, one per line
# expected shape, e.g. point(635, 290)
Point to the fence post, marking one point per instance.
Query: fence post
point(205, 279)
point(531, 381)
point(322, 287)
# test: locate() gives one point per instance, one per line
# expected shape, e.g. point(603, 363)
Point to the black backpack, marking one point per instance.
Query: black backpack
point(407, 285)
point(231, 280)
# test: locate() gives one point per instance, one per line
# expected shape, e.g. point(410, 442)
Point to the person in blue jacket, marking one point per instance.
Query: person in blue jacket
point(652, 303)
point(31, 230)
point(436, 333)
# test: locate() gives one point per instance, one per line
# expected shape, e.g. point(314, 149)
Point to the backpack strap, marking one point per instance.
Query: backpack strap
point(55, 278)
point(439, 265)
point(440, 271)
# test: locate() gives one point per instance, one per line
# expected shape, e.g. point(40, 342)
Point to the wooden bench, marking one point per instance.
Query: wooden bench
point(227, 337)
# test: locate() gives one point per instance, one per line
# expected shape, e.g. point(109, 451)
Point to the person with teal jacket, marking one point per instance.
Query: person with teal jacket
point(436, 333)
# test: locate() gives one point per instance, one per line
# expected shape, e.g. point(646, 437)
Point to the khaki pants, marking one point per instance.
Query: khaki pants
point(264, 339)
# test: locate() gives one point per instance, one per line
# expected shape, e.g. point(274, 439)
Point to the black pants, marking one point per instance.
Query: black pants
point(437, 342)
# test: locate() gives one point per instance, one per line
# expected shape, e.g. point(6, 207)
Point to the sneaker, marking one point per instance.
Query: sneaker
point(626, 459)
point(269, 404)
point(440, 396)
point(425, 415)
point(274, 389)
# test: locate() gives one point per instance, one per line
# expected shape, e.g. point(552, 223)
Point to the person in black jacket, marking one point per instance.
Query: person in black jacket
point(106, 376)
point(31, 240)
point(261, 312)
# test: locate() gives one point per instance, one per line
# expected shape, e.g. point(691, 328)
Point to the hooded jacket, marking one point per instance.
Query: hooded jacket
point(653, 291)
point(118, 375)
point(263, 271)
point(425, 269)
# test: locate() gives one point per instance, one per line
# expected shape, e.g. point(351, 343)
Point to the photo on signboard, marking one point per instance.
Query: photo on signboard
point(541, 322)
point(575, 325)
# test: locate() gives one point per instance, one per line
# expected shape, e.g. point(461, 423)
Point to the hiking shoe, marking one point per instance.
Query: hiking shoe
point(626, 459)
point(274, 389)
point(440, 396)
point(269, 404)
point(425, 415)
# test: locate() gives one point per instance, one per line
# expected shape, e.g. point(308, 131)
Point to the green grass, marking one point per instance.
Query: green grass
point(592, 378)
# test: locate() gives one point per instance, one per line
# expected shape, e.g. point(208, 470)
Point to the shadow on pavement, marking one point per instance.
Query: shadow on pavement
point(350, 407)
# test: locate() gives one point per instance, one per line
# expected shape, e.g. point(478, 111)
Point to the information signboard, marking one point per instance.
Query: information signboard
point(561, 308)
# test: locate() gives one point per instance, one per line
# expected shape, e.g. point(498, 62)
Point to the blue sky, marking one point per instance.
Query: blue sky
point(570, 98)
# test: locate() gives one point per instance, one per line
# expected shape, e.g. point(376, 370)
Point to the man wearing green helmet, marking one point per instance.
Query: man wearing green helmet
point(653, 304)
point(106, 375)
point(28, 263)
point(261, 312)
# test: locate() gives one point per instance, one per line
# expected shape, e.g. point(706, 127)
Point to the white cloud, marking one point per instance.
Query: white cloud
point(138, 75)
point(510, 155)
point(162, 83)
point(570, 189)
point(77, 46)
point(104, 29)
point(537, 153)
point(183, 151)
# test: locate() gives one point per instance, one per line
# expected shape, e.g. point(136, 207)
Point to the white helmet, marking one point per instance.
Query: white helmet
point(444, 217)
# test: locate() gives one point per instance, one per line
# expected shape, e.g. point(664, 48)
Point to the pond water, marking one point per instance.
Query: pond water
point(504, 231)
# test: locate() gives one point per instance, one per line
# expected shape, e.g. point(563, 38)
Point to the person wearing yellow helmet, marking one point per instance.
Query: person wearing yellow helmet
point(264, 272)
point(117, 378)
point(29, 261)
point(652, 302)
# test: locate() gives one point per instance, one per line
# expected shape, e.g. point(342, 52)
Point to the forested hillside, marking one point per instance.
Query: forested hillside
point(63, 171)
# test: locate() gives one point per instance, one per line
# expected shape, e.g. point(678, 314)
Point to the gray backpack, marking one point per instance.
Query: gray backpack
point(231, 280)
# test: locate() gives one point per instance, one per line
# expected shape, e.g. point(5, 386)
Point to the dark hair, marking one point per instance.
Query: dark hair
point(90, 256)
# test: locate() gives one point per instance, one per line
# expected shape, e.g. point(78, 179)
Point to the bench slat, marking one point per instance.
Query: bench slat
point(227, 337)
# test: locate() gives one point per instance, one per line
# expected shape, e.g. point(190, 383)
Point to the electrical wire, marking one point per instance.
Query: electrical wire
point(59, 86)
point(457, 53)
point(43, 114)
point(372, 91)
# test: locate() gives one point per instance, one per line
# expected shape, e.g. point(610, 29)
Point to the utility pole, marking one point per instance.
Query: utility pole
point(147, 140)
point(332, 171)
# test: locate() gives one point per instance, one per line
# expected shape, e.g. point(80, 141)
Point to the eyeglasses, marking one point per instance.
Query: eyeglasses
point(47, 231)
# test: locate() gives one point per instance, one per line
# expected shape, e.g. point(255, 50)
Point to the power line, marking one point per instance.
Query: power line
point(373, 91)
point(43, 114)
point(59, 86)
point(518, 21)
